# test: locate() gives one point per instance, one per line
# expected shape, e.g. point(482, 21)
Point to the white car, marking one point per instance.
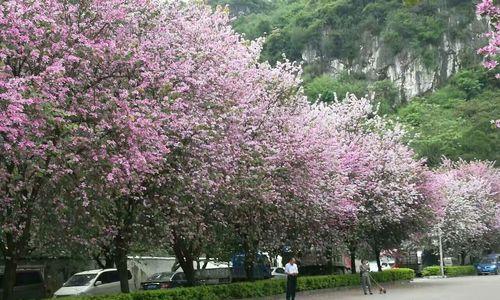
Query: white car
point(278, 272)
point(93, 282)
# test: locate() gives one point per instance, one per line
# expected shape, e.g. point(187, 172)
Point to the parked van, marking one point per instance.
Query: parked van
point(93, 282)
point(261, 267)
point(29, 285)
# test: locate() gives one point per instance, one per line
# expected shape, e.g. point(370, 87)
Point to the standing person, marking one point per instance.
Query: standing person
point(364, 271)
point(291, 271)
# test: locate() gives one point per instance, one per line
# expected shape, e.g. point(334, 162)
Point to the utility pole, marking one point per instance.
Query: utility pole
point(441, 260)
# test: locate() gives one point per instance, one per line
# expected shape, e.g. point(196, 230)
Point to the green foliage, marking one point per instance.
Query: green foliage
point(470, 82)
point(255, 289)
point(325, 87)
point(450, 271)
point(321, 88)
point(411, 2)
point(455, 120)
point(408, 28)
point(386, 93)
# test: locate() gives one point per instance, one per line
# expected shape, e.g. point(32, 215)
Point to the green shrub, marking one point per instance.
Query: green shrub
point(325, 87)
point(386, 94)
point(470, 82)
point(455, 271)
point(255, 289)
point(431, 271)
point(451, 271)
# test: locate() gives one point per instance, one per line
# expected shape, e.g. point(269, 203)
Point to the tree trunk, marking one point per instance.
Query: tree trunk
point(98, 261)
point(463, 255)
point(187, 266)
point(9, 278)
point(108, 262)
point(207, 259)
point(121, 263)
point(329, 265)
point(185, 259)
point(176, 265)
point(249, 261)
point(377, 257)
point(352, 253)
point(12, 250)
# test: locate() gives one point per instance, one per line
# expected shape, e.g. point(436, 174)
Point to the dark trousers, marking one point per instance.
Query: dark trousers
point(366, 283)
point(291, 286)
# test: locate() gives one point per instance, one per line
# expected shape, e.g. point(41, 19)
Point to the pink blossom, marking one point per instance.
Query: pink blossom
point(487, 9)
point(490, 64)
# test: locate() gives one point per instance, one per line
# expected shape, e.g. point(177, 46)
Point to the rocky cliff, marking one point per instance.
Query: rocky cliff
point(413, 73)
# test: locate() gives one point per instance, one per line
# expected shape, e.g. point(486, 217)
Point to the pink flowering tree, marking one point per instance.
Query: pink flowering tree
point(490, 11)
point(79, 84)
point(276, 195)
point(207, 93)
point(392, 206)
point(379, 176)
point(467, 202)
point(236, 140)
point(125, 139)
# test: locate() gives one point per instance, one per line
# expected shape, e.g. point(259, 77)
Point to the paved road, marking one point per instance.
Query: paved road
point(462, 288)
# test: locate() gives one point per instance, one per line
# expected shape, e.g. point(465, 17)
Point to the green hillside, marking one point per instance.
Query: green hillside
point(335, 27)
point(455, 120)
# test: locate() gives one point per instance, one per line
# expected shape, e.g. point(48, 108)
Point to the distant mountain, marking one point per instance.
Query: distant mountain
point(416, 44)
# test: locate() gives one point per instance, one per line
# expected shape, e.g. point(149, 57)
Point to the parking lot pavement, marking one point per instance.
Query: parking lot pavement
point(461, 288)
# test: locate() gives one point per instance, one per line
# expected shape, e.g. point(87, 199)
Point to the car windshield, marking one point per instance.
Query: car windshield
point(80, 279)
point(160, 276)
point(488, 260)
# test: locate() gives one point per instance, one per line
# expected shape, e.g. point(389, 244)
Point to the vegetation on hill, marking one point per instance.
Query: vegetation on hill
point(334, 28)
point(455, 121)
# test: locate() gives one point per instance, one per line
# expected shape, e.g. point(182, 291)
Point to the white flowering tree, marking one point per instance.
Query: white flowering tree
point(467, 201)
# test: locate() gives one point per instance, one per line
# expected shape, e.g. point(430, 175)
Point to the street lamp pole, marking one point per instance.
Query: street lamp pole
point(441, 260)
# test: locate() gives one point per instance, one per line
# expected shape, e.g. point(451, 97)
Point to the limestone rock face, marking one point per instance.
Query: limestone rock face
point(410, 71)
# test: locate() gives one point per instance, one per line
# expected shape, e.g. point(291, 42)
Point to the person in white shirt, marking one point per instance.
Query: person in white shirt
point(291, 271)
